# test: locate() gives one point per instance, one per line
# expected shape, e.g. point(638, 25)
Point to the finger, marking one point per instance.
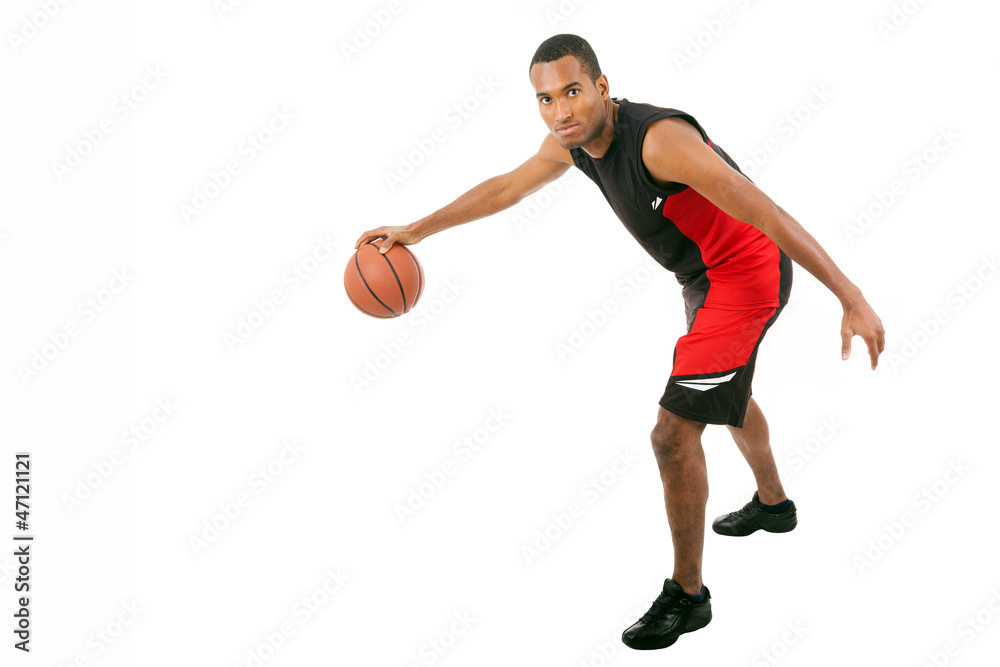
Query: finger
point(873, 352)
point(362, 240)
point(845, 348)
point(368, 236)
point(389, 240)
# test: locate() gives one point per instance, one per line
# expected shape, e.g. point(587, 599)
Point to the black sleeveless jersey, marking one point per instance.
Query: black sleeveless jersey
point(721, 261)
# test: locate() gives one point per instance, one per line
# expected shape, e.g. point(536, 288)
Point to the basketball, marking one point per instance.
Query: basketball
point(384, 285)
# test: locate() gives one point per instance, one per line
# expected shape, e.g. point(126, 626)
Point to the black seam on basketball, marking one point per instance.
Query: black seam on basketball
point(365, 311)
point(420, 274)
point(417, 267)
point(398, 282)
point(358, 266)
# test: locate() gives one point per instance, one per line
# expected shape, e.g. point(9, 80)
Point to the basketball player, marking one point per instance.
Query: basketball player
point(691, 208)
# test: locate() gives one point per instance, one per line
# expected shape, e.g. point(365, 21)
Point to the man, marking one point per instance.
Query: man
point(688, 204)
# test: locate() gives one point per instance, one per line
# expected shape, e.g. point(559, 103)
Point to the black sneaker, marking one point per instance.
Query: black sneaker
point(751, 518)
point(671, 615)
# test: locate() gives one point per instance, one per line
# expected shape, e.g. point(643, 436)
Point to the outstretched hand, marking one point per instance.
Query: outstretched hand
point(861, 320)
point(404, 235)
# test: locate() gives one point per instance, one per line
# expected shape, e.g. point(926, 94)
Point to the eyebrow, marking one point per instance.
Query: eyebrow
point(566, 87)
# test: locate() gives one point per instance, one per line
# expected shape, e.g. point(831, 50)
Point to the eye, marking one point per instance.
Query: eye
point(543, 100)
point(573, 90)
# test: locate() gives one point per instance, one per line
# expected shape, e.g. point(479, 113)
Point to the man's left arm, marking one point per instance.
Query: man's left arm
point(674, 152)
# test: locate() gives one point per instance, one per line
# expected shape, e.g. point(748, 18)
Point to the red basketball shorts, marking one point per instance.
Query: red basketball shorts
point(714, 361)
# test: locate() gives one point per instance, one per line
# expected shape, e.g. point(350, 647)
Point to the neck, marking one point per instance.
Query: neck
point(600, 144)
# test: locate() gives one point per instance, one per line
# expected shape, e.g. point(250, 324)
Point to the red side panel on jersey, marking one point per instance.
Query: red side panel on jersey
point(744, 262)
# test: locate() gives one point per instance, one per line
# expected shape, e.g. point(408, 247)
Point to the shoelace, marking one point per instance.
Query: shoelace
point(662, 604)
point(743, 511)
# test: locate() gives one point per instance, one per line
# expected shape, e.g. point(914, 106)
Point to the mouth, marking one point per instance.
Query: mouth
point(566, 129)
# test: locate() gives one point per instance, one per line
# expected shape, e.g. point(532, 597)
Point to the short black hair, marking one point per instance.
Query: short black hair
point(559, 46)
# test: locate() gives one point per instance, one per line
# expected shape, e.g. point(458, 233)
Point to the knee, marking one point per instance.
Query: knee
point(671, 443)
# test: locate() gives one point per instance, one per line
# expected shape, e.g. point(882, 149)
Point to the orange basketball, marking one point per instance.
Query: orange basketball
point(384, 284)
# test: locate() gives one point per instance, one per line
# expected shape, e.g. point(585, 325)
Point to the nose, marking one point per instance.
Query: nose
point(563, 111)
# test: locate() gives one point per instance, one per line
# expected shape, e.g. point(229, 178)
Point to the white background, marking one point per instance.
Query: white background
point(857, 448)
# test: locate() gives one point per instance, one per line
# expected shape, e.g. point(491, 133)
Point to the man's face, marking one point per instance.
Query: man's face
point(572, 106)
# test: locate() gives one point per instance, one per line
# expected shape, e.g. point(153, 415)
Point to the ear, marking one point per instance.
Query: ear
point(602, 86)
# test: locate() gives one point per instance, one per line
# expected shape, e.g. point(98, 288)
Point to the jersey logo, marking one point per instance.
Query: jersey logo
point(705, 385)
point(657, 203)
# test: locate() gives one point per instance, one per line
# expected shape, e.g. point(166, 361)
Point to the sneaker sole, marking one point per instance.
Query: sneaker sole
point(673, 640)
point(782, 526)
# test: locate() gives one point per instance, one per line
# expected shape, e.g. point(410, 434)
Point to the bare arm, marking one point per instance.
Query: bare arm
point(489, 197)
point(675, 152)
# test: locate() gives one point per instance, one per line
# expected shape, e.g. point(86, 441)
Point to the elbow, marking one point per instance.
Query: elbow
point(770, 221)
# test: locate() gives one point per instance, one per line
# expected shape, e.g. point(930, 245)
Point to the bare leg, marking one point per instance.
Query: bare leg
point(753, 441)
point(681, 459)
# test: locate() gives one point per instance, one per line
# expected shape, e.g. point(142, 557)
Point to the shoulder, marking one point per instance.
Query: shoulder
point(643, 115)
point(672, 128)
point(667, 135)
point(660, 128)
point(676, 150)
point(638, 111)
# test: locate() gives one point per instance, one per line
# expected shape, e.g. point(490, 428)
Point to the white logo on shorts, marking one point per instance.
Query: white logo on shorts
point(706, 384)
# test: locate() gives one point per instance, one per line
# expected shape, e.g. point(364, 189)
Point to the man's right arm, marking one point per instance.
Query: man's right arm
point(489, 197)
